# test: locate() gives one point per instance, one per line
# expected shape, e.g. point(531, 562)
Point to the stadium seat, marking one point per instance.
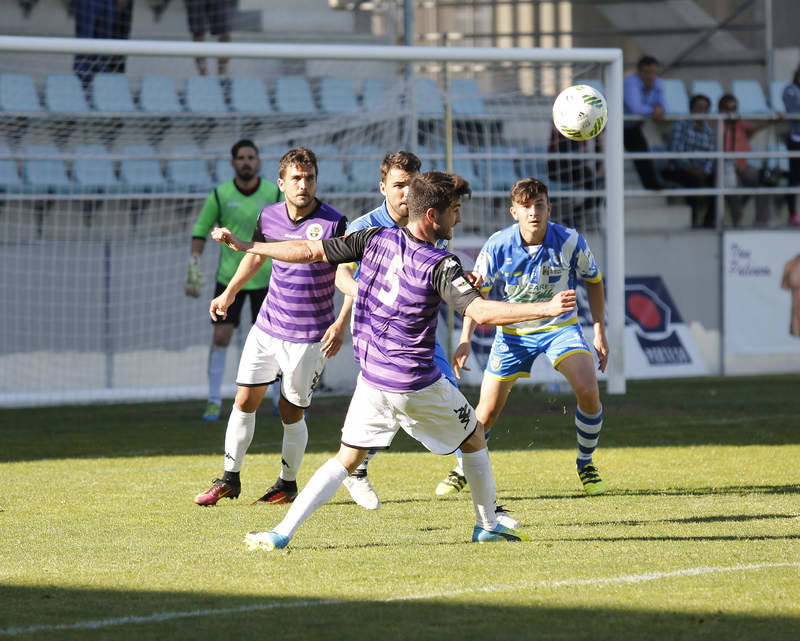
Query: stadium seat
point(750, 96)
point(675, 96)
point(376, 93)
point(204, 96)
point(144, 173)
point(503, 172)
point(18, 93)
point(337, 96)
point(93, 169)
point(249, 95)
point(293, 95)
point(10, 181)
point(157, 94)
point(111, 93)
point(711, 88)
point(332, 175)
point(45, 174)
point(63, 93)
point(428, 98)
point(776, 88)
point(465, 98)
point(188, 174)
point(365, 170)
point(534, 167)
point(270, 159)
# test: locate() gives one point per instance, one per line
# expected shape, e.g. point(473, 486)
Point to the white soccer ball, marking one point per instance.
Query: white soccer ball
point(580, 112)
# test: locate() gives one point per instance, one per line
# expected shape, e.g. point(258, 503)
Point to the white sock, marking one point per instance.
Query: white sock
point(238, 436)
point(216, 372)
point(295, 438)
point(478, 470)
point(317, 492)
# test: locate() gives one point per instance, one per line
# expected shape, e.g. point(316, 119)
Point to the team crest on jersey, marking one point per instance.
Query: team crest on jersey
point(314, 231)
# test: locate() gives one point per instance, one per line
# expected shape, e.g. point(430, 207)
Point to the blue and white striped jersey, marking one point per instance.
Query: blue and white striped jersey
point(536, 273)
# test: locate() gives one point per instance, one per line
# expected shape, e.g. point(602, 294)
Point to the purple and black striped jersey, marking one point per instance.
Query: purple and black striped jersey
point(299, 303)
point(402, 283)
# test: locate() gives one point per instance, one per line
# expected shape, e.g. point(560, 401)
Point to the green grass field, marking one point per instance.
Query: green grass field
point(697, 538)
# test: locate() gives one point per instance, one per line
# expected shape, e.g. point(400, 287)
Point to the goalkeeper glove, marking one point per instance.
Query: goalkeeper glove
point(195, 279)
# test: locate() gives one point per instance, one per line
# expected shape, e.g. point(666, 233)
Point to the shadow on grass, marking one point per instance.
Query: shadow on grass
point(58, 614)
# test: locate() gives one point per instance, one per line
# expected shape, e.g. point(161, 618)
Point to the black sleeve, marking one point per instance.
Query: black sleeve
point(350, 248)
point(452, 285)
point(341, 227)
point(258, 233)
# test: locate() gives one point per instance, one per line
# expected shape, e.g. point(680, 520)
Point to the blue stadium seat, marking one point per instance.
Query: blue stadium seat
point(111, 93)
point(676, 98)
point(503, 172)
point(45, 174)
point(337, 96)
point(376, 93)
point(157, 94)
point(270, 159)
point(188, 174)
point(711, 88)
point(204, 96)
point(776, 88)
point(18, 93)
point(466, 98)
point(93, 170)
point(365, 171)
point(428, 97)
point(750, 96)
point(332, 175)
point(249, 95)
point(144, 173)
point(63, 93)
point(10, 181)
point(293, 95)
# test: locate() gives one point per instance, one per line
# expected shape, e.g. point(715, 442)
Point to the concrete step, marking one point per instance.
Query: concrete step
point(654, 214)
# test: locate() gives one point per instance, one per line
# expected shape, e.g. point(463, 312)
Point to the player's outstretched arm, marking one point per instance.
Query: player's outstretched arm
point(289, 251)
point(492, 312)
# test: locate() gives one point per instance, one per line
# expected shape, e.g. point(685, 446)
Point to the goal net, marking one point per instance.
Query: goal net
point(102, 175)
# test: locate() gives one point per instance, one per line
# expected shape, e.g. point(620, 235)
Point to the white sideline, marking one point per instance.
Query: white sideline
point(256, 607)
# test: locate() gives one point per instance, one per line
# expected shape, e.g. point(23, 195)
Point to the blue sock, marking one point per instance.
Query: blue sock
point(587, 427)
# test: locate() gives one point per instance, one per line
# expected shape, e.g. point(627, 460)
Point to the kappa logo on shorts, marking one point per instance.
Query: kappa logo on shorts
point(463, 415)
point(314, 232)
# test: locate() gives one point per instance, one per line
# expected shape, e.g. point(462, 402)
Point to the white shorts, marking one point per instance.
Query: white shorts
point(438, 416)
point(265, 357)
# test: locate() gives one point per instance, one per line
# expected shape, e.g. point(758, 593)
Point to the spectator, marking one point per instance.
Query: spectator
point(694, 135)
point(791, 101)
point(575, 174)
point(120, 30)
point(736, 137)
point(214, 17)
point(643, 95)
point(93, 19)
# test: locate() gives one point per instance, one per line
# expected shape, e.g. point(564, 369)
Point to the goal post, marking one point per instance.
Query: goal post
point(94, 257)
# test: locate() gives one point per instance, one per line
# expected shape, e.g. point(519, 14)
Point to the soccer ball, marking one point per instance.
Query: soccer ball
point(580, 112)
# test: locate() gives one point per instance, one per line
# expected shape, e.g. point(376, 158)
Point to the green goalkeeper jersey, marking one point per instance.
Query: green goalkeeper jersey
point(226, 206)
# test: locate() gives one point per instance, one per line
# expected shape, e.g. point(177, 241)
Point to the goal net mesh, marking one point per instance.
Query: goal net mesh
point(102, 178)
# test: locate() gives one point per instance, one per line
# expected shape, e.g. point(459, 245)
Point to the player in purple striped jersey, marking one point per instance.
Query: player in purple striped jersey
point(295, 333)
point(403, 280)
point(531, 260)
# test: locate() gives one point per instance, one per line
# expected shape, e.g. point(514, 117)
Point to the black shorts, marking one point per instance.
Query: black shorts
point(256, 297)
point(209, 16)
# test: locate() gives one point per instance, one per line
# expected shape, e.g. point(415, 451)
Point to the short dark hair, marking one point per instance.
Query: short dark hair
point(434, 190)
point(297, 156)
point(646, 61)
point(697, 98)
point(527, 189)
point(244, 142)
point(404, 160)
point(726, 99)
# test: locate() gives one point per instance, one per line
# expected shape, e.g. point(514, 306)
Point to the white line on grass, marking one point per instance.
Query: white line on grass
point(256, 607)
